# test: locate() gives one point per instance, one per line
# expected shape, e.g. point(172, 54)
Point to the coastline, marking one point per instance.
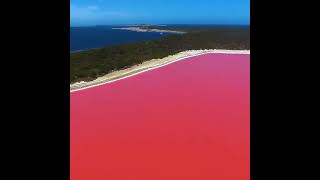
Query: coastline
point(75, 51)
point(146, 66)
point(138, 29)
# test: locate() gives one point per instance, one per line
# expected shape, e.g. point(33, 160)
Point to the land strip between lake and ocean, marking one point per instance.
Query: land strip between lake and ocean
point(146, 66)
point(93, 67)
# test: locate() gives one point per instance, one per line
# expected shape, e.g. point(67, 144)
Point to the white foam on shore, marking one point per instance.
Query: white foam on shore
point(181, 56)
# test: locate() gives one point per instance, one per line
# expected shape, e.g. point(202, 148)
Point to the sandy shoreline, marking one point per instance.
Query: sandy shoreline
point(146, 66)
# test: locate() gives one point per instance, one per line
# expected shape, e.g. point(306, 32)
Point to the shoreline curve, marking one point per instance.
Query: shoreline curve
point(147, 66)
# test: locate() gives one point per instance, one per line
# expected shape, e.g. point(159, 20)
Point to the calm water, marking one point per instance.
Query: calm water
point(166, 123)
point(82, 38)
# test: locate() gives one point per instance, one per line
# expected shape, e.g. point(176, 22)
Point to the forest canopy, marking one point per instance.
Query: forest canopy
point(90, 64)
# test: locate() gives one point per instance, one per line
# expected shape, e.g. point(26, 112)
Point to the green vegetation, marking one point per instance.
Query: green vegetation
point(88, 65)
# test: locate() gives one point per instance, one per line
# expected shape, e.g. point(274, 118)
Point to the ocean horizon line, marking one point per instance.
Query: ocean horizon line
point(99, 25)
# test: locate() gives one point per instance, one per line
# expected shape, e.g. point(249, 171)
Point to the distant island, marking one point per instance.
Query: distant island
point(146, 29)
point(141, 25)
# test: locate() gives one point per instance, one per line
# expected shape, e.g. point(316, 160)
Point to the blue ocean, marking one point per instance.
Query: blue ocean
point(83, 38)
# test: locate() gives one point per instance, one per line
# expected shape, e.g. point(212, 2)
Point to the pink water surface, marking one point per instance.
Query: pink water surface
point(188, 120)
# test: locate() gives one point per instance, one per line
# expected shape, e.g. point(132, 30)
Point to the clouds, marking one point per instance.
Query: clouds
point(92, 15)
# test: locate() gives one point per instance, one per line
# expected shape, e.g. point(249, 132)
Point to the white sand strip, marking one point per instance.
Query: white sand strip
point(147, 66)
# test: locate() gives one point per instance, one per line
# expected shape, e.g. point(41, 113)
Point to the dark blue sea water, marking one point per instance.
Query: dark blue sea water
point(82, 38)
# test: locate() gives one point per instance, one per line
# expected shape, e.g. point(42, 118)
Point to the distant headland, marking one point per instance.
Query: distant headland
point(147, 28)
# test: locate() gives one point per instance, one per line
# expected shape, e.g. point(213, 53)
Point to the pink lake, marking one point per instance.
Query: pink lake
point(188, 120)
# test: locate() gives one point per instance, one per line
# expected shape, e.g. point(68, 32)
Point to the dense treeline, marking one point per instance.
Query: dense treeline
point(88, 65)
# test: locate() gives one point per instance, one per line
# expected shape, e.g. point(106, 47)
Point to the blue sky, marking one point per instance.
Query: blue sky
point(104, 12)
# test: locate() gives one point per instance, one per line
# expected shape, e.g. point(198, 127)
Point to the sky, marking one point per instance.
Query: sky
point(112, 12)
